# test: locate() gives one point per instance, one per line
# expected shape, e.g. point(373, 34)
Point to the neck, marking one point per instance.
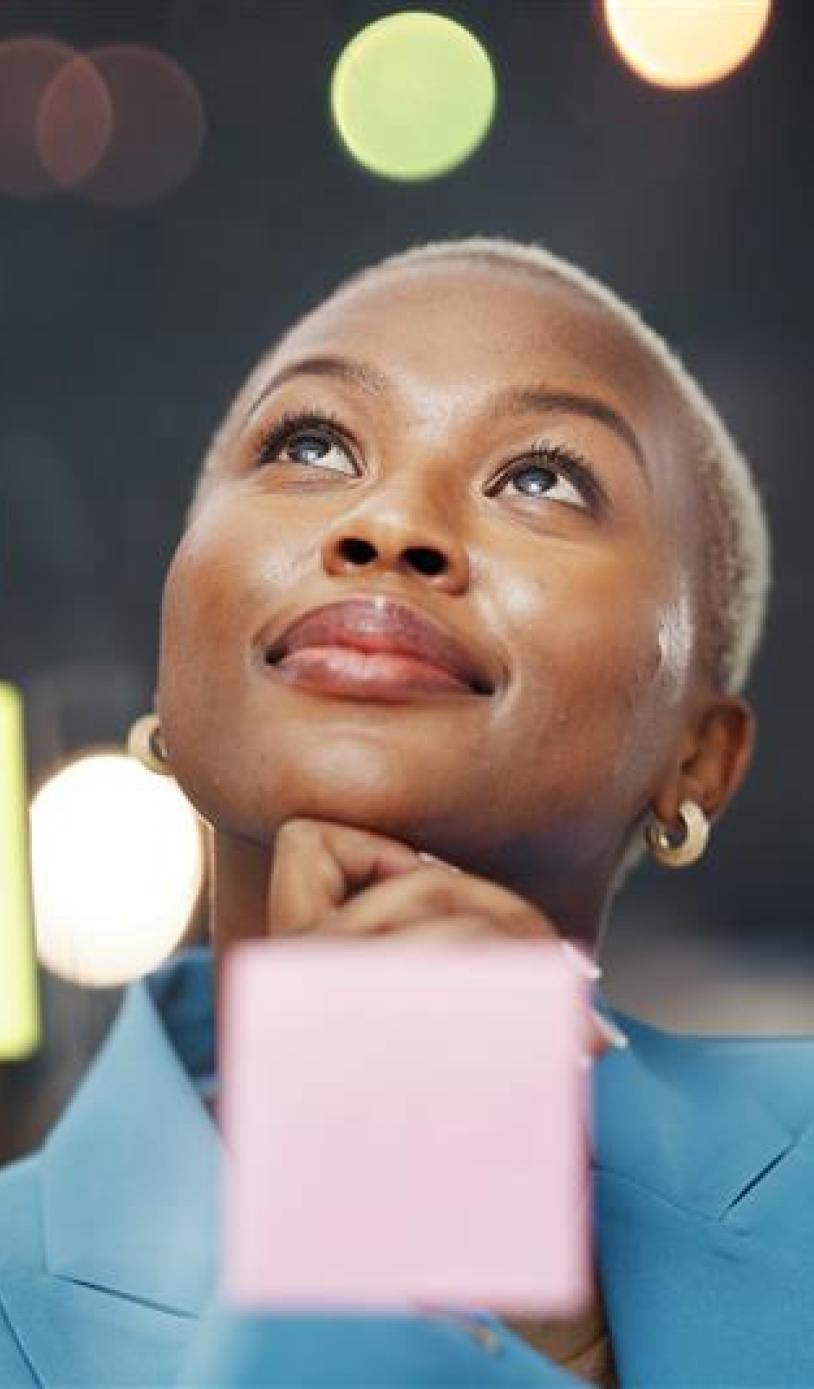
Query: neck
point(575, 901)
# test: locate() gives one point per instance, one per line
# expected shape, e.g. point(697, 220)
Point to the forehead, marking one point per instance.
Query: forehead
point(448, 332)
point(449, 335)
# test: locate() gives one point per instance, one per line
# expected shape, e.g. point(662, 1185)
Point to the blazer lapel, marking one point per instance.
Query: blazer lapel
point(71, 1334)
point(130, 1186)
point(704, 1166)
point(692, 1119)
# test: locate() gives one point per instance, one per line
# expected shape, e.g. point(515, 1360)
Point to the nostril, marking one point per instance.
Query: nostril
point(427, 561)
point(360, 551)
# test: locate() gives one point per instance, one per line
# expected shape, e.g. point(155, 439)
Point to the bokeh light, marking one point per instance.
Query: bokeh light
point(28, 66)
point(157, 125)
point(74, 122)
point(685, 43)
point(19, 1003)
point(412, 95)
point(117, 864)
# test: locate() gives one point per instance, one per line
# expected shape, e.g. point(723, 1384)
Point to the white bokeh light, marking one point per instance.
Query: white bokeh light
point(686, 43)
point(117, 864)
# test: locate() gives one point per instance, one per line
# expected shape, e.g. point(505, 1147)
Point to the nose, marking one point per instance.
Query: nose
point(388, 536)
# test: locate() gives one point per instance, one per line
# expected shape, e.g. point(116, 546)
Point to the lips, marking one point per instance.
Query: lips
point(381, 625)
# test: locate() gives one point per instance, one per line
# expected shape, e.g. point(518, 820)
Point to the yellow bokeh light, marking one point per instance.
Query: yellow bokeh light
point(412, 95)
point(685, 43)
point(117, 865)
point(19, 1001)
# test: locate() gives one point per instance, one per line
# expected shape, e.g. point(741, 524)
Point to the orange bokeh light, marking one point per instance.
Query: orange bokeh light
point(157, 124)
point(28, 65)
point(122, 125)
point(74, 122)
point(685, 43)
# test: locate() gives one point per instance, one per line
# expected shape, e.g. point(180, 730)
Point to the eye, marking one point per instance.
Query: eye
point(555, 473)
point(308, 437)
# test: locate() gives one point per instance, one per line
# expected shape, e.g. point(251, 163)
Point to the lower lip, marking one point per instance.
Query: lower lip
point(384, 675)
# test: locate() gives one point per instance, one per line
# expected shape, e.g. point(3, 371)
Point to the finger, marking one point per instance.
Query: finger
point(464, 926)
point(602, 1034)
point(318, 864)
point(605, 1036)
point(435, 892)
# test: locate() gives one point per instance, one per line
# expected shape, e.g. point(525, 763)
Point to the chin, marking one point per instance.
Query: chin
point(366, 784)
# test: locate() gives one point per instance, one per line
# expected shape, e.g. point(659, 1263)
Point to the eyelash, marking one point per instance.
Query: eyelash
point(554, 457)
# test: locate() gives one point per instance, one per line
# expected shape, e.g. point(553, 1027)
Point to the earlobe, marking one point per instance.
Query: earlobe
point(713, 762)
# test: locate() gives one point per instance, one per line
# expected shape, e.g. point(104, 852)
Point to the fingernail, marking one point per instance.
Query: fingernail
point(430, 858)
point(583, 962)
point(610, 1031)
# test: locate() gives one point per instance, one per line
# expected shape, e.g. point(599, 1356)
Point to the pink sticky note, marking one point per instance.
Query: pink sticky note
point(406, 1123)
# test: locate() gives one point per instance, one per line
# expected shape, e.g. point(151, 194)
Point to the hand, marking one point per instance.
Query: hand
point(329, 880)
point(319, 865)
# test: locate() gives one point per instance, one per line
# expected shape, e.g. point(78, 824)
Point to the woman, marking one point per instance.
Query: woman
point(491, 460)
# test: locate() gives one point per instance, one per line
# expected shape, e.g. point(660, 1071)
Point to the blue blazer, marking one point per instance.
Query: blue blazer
point(704, 1155)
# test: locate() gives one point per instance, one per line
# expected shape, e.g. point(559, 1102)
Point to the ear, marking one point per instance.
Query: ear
point(713, 759)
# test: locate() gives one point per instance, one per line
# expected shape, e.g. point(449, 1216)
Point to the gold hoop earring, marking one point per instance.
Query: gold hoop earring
point(144, 742)
point(689, 850)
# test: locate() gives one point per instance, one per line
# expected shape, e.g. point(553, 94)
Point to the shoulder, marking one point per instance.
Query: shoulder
point(697, 1069)
point(696, 1118)
point(705, 1147)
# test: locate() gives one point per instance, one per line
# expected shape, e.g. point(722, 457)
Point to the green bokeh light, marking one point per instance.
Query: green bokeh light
point(20, 1021)
point(412, 95)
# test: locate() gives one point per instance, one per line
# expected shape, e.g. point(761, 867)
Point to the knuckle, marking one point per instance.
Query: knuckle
point(296, 830)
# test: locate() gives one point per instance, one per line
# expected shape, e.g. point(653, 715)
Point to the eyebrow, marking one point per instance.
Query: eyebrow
point(512, 400)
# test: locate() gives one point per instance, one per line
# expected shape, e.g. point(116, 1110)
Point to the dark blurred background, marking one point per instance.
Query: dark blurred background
point(124, 331)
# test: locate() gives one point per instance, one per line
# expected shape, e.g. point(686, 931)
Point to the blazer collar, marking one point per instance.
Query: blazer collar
point(131, 1169)
point(698, 1119)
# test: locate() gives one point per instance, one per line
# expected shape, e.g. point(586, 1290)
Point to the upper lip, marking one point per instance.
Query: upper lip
point(379, 623)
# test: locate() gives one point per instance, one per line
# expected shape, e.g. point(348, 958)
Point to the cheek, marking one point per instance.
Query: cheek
point(223, 581)
point(605, 648)
point(592, 614)
point(192, 607)
point(205, 621)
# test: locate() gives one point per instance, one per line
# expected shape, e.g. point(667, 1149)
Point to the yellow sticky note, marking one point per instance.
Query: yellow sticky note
point(19, 995)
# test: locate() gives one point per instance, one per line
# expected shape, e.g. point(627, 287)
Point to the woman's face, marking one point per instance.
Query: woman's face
point(575, 585)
